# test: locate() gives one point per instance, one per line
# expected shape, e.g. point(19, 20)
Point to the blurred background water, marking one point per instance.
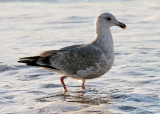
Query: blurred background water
point(28, 27)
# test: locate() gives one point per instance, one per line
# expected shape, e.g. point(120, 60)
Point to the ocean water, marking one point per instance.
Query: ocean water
point(29, 28)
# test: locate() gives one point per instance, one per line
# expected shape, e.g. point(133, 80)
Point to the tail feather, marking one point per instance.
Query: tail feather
point(29, 60)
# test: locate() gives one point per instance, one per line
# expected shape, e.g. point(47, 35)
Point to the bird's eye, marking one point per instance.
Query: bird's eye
point(108, 18)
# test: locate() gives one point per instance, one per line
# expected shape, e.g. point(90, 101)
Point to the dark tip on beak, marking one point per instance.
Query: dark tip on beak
point(122, 25)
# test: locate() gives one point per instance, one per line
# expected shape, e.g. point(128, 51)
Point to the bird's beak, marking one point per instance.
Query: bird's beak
point(122, 25)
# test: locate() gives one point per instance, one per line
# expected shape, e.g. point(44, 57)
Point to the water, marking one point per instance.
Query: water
point(131, 86)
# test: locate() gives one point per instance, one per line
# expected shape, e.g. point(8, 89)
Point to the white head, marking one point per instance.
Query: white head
point(107, 20)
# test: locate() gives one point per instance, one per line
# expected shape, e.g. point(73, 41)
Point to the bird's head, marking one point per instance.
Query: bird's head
point(109, 20)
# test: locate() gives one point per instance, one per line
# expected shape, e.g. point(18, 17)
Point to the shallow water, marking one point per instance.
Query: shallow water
point(131, 86)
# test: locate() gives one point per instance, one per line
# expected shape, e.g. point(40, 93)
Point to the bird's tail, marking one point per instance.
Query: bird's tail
point(29, 60)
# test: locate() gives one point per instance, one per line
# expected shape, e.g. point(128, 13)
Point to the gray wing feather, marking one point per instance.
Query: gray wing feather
point(70, 61)
point(44, 59)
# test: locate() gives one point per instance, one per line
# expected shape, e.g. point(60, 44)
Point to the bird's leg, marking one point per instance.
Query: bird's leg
point(83, 86)
point(64, 86)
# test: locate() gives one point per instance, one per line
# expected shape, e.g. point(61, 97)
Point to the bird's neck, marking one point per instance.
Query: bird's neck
point(103, 38)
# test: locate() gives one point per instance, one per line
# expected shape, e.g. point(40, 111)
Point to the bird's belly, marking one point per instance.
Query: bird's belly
point(95, 71)
point(98, 72)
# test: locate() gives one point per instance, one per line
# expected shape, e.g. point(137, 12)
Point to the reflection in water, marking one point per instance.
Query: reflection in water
point(91, 97)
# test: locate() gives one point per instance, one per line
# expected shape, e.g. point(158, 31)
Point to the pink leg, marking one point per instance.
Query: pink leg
point(83, 86)
point(64, 86)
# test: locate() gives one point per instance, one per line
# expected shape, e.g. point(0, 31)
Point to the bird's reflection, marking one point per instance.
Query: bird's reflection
point(73, 96)
point(91, 96)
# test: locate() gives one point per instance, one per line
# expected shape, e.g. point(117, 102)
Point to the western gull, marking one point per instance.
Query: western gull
point(86, 61)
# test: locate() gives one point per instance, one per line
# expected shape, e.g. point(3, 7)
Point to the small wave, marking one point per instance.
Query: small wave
point(127, 108)
point(51, 85)
point(3, 66)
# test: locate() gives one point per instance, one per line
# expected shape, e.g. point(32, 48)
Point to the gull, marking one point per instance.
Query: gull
point(85, 61)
